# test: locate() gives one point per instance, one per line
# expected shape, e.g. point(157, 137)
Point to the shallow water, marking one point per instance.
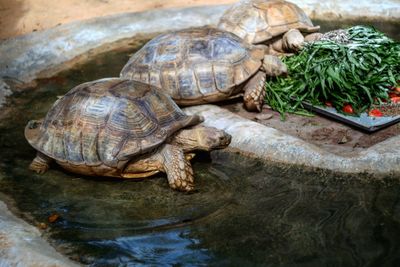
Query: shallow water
point(244, 213)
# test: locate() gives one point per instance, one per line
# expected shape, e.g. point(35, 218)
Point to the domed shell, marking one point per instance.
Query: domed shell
point(195, 65)
point(257, 21)
point(107, 121)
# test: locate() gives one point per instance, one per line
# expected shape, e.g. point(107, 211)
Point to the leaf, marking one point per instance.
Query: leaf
point(378, 58)
point(391, 77)
point(366, 90)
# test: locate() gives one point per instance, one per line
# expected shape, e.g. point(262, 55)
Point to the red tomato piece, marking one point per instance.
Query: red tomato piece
point(328, 104)
point(375, 113)
point(348, 109)
point(395, 99)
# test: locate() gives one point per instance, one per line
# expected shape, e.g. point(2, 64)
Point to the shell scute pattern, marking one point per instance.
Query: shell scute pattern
point(194, 64)
point(90, 152)
point(257, 21)
point(224, 46)
point(224, 79)
point(205, 81)
point(167, 113)
point(148, 57)
point(168, 81)
point(187, 84)
point(106, 122)
point(199, 49)
point(168, 52)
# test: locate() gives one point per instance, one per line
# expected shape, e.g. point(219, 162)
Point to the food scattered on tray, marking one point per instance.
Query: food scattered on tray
point(390, 107)
point(354, 70)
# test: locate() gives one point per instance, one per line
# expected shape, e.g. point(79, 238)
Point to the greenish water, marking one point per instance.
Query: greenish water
point(244, 213)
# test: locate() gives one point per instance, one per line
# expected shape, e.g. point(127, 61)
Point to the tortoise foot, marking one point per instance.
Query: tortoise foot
point(40, 164)
point(178, 168)
point(182, 178)
point(254, 92)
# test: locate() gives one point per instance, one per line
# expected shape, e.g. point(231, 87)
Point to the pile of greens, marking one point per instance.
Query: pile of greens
point(358, 73)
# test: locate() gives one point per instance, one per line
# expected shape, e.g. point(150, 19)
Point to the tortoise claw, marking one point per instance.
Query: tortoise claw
point(254, 92)
point(38, 167)
point(40, 164)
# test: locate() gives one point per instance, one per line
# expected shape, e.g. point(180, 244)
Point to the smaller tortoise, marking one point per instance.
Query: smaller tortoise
point(121, 128)
point(277, 24)
point(204, 65)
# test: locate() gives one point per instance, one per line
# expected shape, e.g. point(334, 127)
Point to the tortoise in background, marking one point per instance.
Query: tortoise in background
point(276, 23)
point(121, 128)
point(204, 65)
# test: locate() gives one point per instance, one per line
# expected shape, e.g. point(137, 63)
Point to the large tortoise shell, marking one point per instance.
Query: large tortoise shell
point(257, 21)
point(195, 63)
point(107, 121)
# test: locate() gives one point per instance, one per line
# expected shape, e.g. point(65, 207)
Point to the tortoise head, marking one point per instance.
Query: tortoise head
point(201, 138)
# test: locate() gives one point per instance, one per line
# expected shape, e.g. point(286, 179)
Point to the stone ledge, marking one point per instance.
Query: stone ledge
point(265, 143)
point(21, 244)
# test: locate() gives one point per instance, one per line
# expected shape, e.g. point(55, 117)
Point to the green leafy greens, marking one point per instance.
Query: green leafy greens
point(359, 73)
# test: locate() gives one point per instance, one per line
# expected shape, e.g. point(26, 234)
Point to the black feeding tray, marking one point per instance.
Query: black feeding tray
point(364, 122)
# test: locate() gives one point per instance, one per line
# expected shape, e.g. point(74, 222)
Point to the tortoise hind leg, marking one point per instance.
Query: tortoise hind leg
point(41, 163)
point(178, 168)
point(254, 92)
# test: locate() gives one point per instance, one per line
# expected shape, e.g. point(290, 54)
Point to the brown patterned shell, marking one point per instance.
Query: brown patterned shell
point(257, 21)
point(195, 65)
point(106, 122)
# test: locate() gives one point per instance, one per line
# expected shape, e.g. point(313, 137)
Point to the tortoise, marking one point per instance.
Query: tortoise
point(204, 65)
point(121, 128)
point(278, 24)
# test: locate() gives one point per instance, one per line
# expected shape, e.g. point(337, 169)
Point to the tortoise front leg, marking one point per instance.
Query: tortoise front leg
point(254, 92)
point(41, 163)
point(292, 41)
point(178, 168)
point(273, 66)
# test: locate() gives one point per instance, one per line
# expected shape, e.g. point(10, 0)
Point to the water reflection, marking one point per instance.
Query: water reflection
point(161, 249)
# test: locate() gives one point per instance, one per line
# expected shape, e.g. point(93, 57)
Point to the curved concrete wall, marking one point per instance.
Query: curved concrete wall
point(342, 9)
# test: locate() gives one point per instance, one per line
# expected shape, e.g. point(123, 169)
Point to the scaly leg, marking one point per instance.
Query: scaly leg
point(273, 66)
point(178, 168)
point(41, 163)
point(254, 92)
point(292, 40)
